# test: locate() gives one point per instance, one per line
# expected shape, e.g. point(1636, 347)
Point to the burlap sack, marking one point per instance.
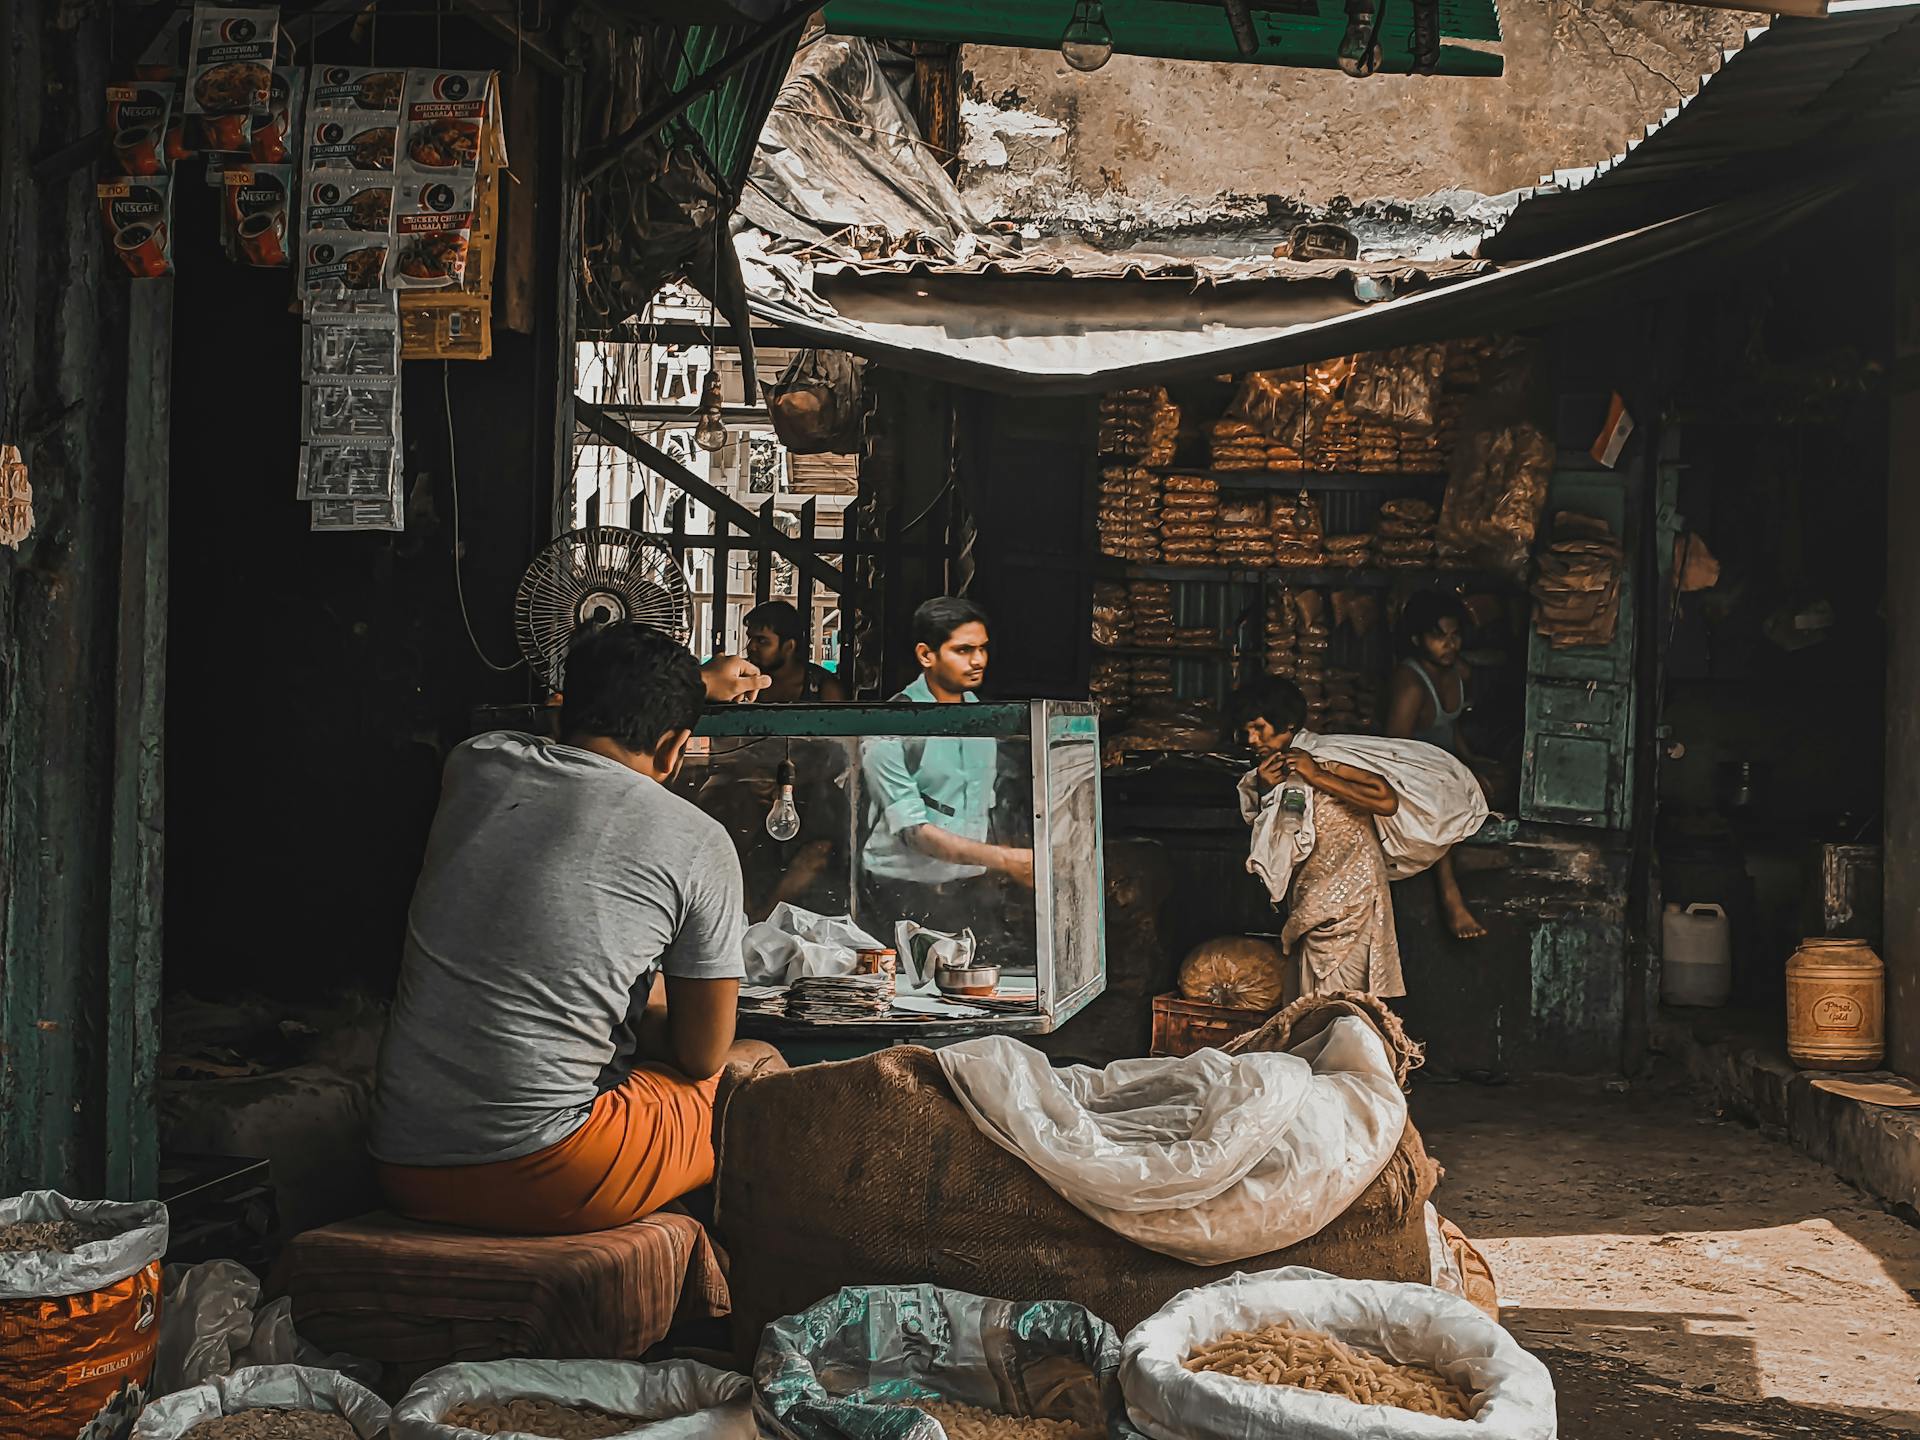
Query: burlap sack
point(868, 1172)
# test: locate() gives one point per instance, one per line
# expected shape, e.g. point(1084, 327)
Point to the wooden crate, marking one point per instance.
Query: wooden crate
point(1182, 1026)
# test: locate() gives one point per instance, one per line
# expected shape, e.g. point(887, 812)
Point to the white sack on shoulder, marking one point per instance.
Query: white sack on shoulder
point(793, 944)
point(1210, 1158)
point(1409, 1324)
point(671, 1400)
point(284, 1387)
point(1441, 804)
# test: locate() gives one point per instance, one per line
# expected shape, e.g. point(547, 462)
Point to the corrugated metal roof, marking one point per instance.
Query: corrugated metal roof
point(1039, 337)
point(1083, 262)
point(1800, 94)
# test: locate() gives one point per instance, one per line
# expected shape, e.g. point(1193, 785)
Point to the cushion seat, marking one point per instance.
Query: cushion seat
point(415, 1297)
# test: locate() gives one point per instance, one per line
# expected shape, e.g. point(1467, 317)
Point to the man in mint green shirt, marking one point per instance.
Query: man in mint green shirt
point(931, 801)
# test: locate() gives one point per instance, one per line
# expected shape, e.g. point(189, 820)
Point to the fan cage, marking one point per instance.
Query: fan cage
point(634, 572)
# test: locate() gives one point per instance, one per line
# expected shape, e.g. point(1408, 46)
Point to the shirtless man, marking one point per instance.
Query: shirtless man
point(1425, 699)
point(774, 636)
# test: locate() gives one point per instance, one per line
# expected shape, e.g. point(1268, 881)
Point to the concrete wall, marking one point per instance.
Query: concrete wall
point(1147, 143)
point(1902, 948)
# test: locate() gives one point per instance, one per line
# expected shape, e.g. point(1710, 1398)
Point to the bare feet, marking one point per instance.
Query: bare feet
point(1461, 921)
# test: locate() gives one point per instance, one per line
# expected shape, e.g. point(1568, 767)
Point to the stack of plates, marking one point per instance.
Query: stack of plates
point(840, 997)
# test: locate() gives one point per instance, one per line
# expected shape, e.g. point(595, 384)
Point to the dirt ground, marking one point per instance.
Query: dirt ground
point(1681, 1274)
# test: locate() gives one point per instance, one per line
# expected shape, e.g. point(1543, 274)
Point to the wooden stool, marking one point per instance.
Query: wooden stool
point(414, 1297)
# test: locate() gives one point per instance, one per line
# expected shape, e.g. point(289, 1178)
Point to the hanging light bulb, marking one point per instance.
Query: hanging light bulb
point(783, 820)
point(709, 426)
point(1088, 43)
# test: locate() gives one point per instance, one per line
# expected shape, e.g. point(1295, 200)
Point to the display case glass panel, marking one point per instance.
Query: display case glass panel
point(883, 792)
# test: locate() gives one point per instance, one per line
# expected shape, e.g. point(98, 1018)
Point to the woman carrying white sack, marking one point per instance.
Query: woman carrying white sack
point(1335, 819)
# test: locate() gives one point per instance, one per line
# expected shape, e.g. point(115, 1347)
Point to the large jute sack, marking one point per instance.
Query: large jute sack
point(916, 1194)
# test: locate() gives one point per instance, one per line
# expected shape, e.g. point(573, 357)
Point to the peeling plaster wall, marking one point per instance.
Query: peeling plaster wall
point(1148, 143)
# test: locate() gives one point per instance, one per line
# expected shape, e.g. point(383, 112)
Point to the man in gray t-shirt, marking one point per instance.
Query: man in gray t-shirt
point(534, 1077)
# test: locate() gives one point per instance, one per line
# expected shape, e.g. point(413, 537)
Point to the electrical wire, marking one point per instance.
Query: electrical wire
point(453, 475)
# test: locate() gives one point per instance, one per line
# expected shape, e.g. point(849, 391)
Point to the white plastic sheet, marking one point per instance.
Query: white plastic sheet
point(1409, 1324)
point(209, 1327)
point(1441, 804)
point(1210, 1158)
point(285, 1387)
point(673, 1400)
point(207, 1319)
point(792, 944)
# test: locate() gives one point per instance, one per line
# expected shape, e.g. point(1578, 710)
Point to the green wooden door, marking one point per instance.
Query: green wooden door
point(1575, 768)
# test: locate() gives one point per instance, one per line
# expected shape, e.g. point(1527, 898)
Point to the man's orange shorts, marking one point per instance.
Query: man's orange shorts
point(645, 1143)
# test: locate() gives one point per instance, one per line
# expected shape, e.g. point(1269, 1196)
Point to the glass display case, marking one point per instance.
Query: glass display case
point(981, 818)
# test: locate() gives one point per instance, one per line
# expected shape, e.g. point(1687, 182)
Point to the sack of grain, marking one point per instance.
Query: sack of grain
point(79, 1314)
point(268, 1402)
point(1433, 1344)
point(877, 1362)
point(1236, 971)
point(577, 1400)
point(928, 1198)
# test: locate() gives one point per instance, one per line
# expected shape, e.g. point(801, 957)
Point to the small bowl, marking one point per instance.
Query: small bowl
point(976, 980)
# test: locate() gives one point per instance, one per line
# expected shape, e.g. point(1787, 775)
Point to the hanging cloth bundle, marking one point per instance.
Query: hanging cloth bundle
point(817, 406)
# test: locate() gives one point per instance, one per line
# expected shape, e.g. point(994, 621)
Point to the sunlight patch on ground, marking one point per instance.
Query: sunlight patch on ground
point(1803, 1312)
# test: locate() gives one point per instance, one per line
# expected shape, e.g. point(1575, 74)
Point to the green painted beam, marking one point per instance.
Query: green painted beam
point(1305, 34)
point(1002, 720)
point(137, 821)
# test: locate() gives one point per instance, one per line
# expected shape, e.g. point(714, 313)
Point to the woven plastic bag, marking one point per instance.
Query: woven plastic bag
point(1512, 1392)
point(673, 1400)
point(851, 1367)
point(78, 1331)
point(264, 1387)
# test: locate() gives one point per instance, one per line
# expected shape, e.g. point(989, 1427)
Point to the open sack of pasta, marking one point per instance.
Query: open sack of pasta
point(1309, 1356)
point(1209, 1158)
point(290, 1400)
point(576, 1400)
point(916, 1362)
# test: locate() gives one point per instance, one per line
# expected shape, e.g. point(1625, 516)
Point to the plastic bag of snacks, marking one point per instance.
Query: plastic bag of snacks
point(892, 1362)
point(1234, 970)
point(79, 1314)
point(299, 1404)
point(577, 1400)
point(1306, 1355)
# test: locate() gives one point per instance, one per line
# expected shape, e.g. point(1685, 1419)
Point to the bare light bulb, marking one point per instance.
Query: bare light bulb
point(709, 427)
point(783, 820)
point(1088, 43)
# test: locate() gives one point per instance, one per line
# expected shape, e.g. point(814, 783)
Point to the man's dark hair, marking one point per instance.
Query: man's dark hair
point(1277, 701)
point(1424, 611)
point(630, 684)
point(776, 615)
point(936, 620)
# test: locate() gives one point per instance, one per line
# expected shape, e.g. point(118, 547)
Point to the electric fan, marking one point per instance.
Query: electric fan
point(590, 578)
